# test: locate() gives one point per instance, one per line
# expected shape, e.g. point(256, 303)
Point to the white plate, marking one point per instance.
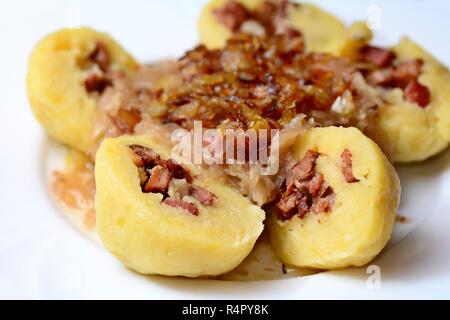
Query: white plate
point(43, 256)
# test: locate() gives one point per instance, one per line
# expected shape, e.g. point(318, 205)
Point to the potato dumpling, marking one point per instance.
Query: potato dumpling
point(354, 38)
point(57, 81)
point(410, 132)
point(318, 27)
point(204, 231)
point(339, 203)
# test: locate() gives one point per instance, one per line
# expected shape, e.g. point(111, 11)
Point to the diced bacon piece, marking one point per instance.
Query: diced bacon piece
point(347, 166)
point(306, 189)
point(290, 181)
point(96, 83)
point(159, 180)
point(291, 42)
point(407, 71)
point(379, 57)
point(181, 204)
point(304, 205)
point(178, 171)
point(417, 93)
point(144, 156)
point(381, 77)
point(126, 120)
point(265, 12)
point(324, 204)
point(231, 15)
point(201, 194)
point(100, 56)
point(306, 167)
point(315, 184)
point(325, 190)
point(399, 76)
point(287, 205)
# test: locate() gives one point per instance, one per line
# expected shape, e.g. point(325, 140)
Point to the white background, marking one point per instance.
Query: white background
point(42, 256)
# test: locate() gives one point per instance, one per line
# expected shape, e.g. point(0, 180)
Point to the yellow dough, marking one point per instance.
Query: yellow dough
point(406, 131)
point(361, 219)
point(319, 27)
point(153, 238)
point(55, 83)
point(355, 37)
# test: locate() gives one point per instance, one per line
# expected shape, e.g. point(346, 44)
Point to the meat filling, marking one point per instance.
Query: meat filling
point(377, 56)
point(386, 71)
point(98, 78)
point(96, 83)
point(181, 204)
point(415, 92)
point(157, 175)
point(306, 190)
point(201, 194)
point(347, 166)
point(158, 180)
point(100, 56)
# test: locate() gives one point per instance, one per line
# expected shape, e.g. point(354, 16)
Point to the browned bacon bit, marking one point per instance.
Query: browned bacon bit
point(406, 71)
point(325, 190)
point(146, 157)
point(159, 180)
point(381, 77)
point(272, 16)
point(287, 205)
point(417, 93)
point(178, 171)
point(315, 184)
point(291, 42)
point(306, 167)
point(264, 12)
point(143, 156)
point(156, 175)
point(393, 74)
point(201, 194)
point(126, 120)
point(306, 190)
point(324, 204)
point(181, 204)
point(100, 56)
point(379, 57)
point(96, 83)
point(252, 79)
point(396, 76)
point(304, 205)
point(231, 15)
point(347, 166)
